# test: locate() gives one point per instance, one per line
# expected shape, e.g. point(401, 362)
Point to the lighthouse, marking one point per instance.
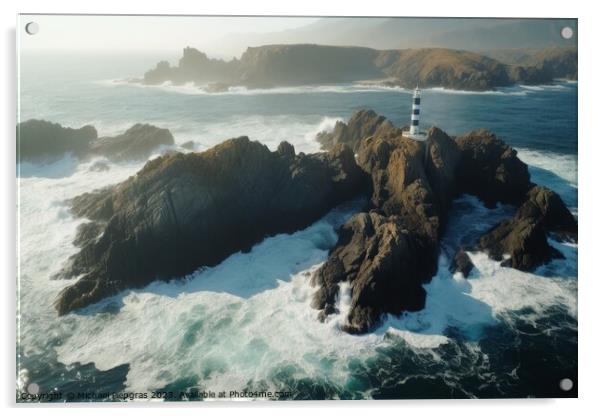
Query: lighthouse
point(414, 131)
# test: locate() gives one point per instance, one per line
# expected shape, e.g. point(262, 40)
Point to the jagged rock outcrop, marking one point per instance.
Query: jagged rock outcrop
point(461, 263)
point(387, 254)
point(184, 211)
point(194, 66)
point(136, 143)
point(524, 238)
point(382, 262)
point(38, 140)
point(490, 169)
point(363, 123)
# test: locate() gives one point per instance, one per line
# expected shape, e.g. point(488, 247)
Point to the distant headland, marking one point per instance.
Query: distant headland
point(271, 66)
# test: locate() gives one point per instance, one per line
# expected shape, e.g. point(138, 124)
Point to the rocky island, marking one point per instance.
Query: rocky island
point(185, 211)
point(306, 64)
point(40, 140)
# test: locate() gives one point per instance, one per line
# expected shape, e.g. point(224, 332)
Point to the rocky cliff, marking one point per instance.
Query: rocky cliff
point(552, 62)
point(434, 67)
point(184, 211)
point(388, 253)
point(305, 64)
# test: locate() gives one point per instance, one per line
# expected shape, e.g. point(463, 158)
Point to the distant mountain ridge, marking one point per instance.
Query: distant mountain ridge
point(305, 64)
point(474, 34)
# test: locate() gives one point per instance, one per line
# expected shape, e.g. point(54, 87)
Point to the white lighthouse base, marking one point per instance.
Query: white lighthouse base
point(420, 136)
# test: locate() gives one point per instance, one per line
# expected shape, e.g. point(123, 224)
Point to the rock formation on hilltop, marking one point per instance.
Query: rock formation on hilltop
point(184, 211)
point(162, 223)
point(306, 64)
point(40, 140)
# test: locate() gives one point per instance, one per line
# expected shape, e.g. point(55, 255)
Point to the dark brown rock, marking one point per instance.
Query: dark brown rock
point(362, 124)
point(136, 143)
point(381, 261)
point(523, 239)
point(546, 204)
point(183, 211)
point(490, 169)
point(410, 183)
point(87, 232)
point(388, 254)
point(461, 263)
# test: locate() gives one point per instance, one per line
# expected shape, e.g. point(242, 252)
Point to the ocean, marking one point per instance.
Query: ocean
point(246, 324)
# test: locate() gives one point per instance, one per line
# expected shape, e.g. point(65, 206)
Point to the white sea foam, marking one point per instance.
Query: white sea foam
point(499, 91)
point(544, 87)
point(190, 88)
point(269, 130)
point(562, 165)
point(250, 315)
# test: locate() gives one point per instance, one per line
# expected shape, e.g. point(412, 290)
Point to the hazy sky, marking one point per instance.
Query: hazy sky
point(143, 33)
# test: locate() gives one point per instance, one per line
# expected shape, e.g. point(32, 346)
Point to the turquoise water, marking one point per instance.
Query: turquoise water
point(246, 323)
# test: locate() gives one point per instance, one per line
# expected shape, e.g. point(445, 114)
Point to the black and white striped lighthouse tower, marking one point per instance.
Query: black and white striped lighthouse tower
point(414, 132)
point(414, 127)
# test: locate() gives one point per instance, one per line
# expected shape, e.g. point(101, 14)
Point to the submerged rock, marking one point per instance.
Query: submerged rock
point(461, 263)
point(189, 145)
point(184, 211)
point(99, 166)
